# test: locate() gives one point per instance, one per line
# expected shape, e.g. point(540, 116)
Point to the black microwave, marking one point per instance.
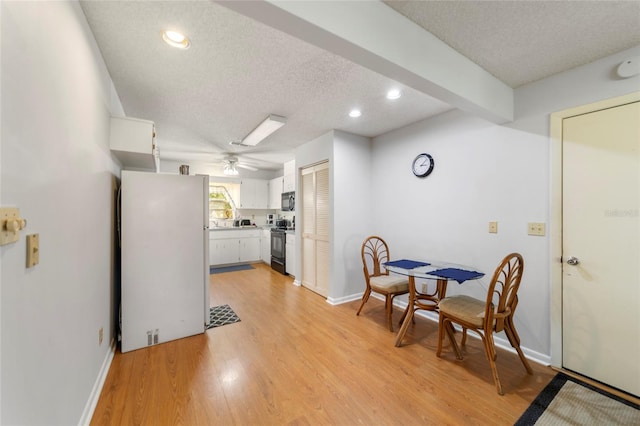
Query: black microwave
point(288, 201)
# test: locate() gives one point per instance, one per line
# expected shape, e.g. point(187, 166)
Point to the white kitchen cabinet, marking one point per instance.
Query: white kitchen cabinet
point(275, 192)
point(223, 251)
point(290, 253)
point(254, 194)
point(132, 141)
point(289, 180)
point(250, 249)
point(234, 246)
point(266, 246)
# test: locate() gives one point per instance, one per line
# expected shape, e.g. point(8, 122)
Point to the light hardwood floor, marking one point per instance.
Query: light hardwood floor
point(293, 359)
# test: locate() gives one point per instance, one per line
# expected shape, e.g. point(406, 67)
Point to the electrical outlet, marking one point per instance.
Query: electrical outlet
point(493, 227)
point(536, 228)
point(100, 335)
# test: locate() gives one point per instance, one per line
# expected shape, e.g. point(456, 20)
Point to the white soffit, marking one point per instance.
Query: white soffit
point(375, 36)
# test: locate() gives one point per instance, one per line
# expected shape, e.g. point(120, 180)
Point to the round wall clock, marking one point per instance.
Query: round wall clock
point(422, 165)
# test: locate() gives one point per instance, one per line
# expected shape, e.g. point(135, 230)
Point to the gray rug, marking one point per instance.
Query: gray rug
point(567, 401)
point(221, 315)
point(222, 269)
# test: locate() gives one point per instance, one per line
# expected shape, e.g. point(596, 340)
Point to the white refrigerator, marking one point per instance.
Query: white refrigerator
point(164, 231)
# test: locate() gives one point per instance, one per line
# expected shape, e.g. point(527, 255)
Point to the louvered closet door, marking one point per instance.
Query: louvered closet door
point(315, 228)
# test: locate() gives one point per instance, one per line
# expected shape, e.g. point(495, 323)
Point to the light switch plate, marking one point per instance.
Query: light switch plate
point(536, 228)
point(33, 250)
point(493, 227)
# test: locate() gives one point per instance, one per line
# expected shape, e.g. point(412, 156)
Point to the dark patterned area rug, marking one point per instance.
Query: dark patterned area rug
point(233, 268)
point(568, 401)
point(221, 315)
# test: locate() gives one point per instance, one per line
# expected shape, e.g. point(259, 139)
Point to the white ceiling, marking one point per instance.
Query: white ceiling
point(238, 70)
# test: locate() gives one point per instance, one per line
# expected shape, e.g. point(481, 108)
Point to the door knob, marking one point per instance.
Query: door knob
point(573, 261)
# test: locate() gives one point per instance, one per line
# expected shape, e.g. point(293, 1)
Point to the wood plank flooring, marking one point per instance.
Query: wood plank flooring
point(293, 359)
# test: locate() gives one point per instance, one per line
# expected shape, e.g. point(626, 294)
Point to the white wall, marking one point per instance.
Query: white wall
point(353, 200)
point(485, 172)
point(57, 168)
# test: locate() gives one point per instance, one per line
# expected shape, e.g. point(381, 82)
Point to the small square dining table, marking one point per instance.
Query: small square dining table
point(441, 272)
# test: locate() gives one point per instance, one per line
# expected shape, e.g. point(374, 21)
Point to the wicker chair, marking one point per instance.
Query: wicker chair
point(485, 317)
point(374, 253)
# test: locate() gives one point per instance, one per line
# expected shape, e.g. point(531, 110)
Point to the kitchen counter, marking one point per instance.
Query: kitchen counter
point(233, 228)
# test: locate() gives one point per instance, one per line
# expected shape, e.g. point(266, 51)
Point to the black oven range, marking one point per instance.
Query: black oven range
point(278, 246)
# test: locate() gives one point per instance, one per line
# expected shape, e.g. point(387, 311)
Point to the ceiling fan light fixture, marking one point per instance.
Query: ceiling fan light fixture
point(264, 129)
point(175, 39)
point(230, 170)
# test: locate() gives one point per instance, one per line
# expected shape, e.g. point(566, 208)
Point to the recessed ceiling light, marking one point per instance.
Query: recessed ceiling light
point(393, 94)
point(175, 39)
point(355, 113)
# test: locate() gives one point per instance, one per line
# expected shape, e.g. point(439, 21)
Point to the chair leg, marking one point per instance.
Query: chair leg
point(490, 351)
point(389, 306)
point(452, 337)
point(440, 334)
point(365, 297)
point(514, 339)
point(444, 325)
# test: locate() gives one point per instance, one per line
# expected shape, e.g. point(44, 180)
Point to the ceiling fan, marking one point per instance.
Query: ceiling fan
point(231, 162)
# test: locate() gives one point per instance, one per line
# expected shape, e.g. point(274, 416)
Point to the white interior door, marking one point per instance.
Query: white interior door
point(601, 256)
point(315, 228)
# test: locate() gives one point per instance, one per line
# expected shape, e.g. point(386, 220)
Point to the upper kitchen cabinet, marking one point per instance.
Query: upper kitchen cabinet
point(254, 194)
point(132, 141)
point(289, 176)
point(275, 192)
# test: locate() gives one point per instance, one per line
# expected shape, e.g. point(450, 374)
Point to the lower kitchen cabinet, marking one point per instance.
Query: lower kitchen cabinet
point(250, 249)
point(266, 246)
point(225, 250)
point(234, 246)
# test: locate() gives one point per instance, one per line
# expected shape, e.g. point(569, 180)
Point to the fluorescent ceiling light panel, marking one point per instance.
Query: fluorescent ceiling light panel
point(264, 129)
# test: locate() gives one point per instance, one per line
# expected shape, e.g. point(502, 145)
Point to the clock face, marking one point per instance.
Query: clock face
point(423, 165)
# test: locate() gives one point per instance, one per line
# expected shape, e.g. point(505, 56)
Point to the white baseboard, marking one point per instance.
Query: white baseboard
point(530, 354)
point(344, 299)
point(92, 402)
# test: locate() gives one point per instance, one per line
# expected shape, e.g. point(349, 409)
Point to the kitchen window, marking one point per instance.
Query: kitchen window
point(221, 204)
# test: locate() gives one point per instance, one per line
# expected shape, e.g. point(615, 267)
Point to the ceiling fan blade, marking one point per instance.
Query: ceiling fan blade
point(244, 166)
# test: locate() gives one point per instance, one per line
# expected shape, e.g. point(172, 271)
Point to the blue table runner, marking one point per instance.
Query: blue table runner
point(406, 264)
point(456, 274)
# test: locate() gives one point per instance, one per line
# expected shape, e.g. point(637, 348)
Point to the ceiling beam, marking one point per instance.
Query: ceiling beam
point(375, 36)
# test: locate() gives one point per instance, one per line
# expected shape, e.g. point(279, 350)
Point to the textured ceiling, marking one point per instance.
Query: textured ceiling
point(524, 41)
point(238, 71)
